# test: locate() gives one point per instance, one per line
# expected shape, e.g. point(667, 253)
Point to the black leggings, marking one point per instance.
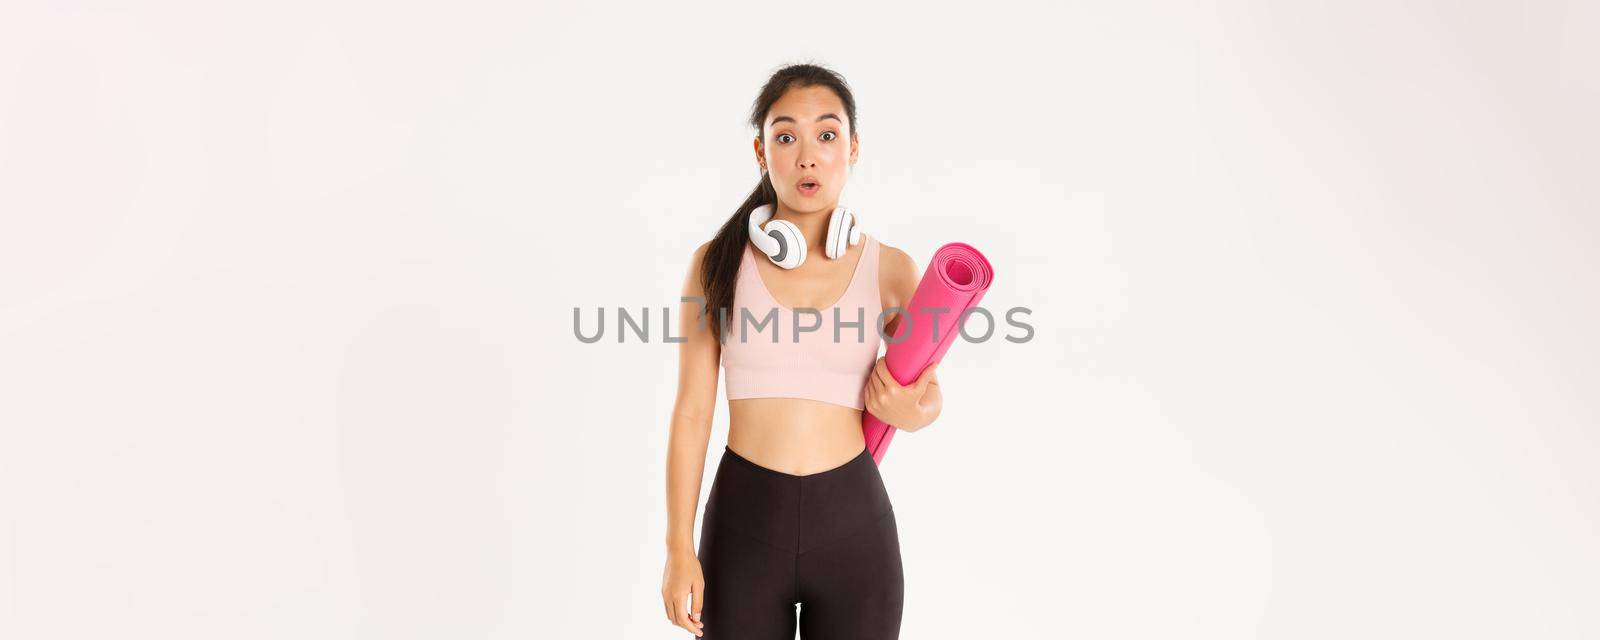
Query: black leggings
point(825, 540)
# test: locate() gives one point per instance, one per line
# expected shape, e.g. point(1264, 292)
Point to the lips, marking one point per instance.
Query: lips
point(808, 185)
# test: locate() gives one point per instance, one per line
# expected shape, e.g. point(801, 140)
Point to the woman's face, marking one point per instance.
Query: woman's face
point(807, 140)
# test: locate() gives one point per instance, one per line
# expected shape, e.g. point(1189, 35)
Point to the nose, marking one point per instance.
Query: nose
point(806, 159)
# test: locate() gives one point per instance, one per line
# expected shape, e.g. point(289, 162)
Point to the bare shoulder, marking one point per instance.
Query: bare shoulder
point(691, 284)
point(699, 257)
point(898, 274)
point(896, 264)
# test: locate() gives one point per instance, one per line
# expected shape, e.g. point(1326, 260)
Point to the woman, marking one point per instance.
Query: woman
point(797, 512)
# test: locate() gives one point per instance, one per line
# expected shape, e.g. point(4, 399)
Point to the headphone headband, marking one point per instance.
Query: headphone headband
point(767, 244)
point(785, 245)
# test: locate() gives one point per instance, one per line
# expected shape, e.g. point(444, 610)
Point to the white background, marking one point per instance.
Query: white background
point(286, 294)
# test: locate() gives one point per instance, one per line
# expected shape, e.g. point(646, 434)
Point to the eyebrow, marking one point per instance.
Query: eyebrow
point(820, 118)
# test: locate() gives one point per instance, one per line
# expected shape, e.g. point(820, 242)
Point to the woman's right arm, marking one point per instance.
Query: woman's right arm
point(698, 358)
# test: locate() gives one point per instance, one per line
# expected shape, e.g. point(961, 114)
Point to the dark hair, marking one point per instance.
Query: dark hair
point(719, 268)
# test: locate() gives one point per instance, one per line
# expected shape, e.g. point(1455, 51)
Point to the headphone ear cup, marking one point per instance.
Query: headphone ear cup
point(843, 232)
point(791, 244)
point(830, 245)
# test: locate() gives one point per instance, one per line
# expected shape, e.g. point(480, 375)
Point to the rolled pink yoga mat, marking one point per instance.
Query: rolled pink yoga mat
point(956, 279)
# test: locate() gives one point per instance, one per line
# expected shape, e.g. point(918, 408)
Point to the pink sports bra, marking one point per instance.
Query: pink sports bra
point(762, 359)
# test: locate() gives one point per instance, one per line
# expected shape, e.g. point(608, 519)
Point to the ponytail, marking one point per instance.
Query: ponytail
point(719, 268)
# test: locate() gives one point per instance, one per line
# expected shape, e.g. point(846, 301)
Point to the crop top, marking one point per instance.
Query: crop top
point(760, 355)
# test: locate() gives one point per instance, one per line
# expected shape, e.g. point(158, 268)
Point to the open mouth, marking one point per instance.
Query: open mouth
point(808, 187)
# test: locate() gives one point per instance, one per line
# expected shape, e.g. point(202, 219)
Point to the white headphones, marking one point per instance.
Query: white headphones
point(783, 243)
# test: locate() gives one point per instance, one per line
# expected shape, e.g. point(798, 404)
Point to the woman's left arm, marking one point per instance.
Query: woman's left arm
point(914, 406)
point(905, 407)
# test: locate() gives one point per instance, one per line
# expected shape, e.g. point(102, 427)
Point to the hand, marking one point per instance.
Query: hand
point(908, 407)
point(682, 578)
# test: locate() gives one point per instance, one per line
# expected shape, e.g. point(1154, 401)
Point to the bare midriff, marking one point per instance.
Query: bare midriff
point(794, 436)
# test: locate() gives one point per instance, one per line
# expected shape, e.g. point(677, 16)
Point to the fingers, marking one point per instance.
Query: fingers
point(873, 393)
point(699, 602)
point(683, 580)
point(880, 371)
point(927, 375)
point(680, 616)
point(880, 401)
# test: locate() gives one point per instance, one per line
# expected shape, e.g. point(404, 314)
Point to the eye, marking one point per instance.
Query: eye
point(781, 135)
point(831, 135)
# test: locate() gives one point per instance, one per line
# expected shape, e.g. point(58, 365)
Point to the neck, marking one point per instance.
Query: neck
point(814, 224)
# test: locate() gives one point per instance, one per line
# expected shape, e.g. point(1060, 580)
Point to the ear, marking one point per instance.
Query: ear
point(761, 155)
point(855, 147)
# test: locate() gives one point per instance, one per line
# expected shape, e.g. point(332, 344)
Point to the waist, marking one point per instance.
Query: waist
point(797, 512)
point(792, 435)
